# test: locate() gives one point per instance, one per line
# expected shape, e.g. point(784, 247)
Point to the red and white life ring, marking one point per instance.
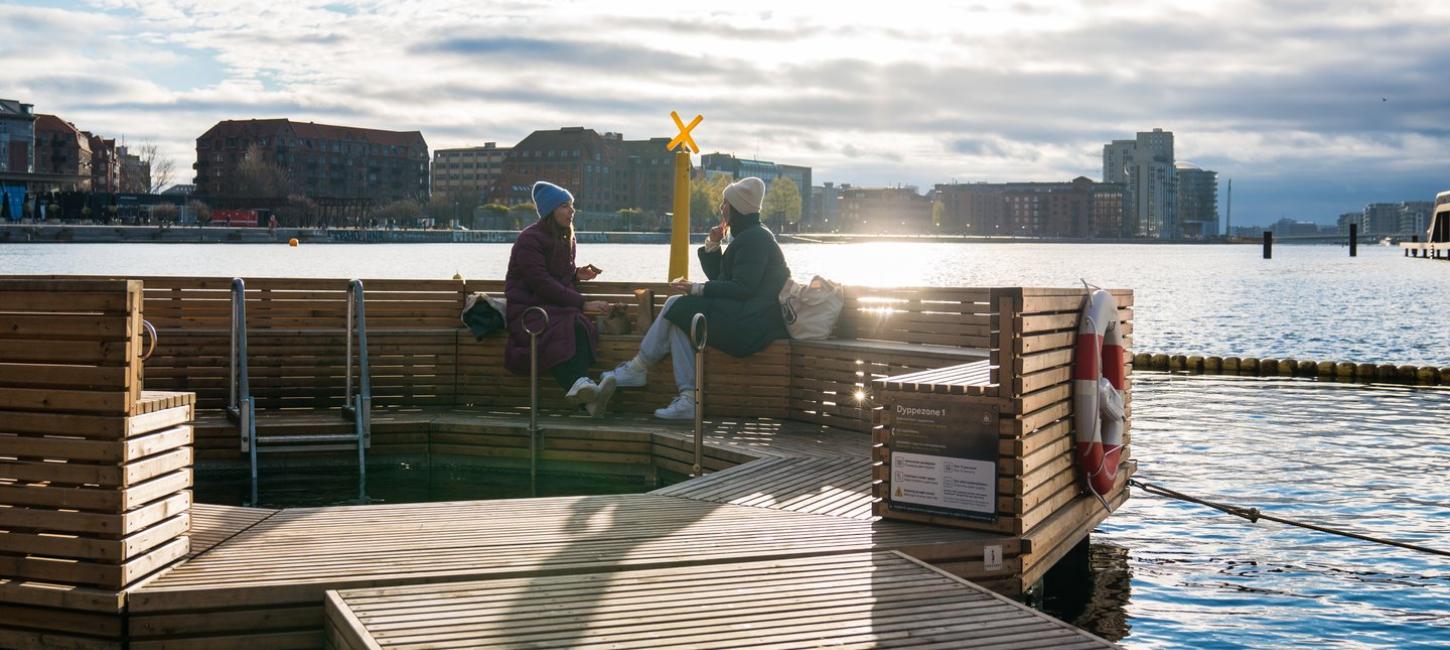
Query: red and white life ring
point(1097, 405)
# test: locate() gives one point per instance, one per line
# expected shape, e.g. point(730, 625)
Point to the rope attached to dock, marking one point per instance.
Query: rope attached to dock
point(1254, 515)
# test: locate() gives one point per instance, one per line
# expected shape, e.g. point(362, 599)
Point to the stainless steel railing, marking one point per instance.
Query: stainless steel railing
point(358, 407)
point(699, 335)
point(241, 407)
point(534, 394)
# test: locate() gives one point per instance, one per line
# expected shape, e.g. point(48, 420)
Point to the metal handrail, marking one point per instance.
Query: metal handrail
point(358, 406)
point(699, 336)
point(241, 407)
point(534, 394)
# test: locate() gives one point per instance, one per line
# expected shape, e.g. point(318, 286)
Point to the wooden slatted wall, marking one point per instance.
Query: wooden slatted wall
point(1040, 494)
point(95, 474)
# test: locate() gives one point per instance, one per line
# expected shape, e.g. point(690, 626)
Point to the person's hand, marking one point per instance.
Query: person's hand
point(596, 306)
point(586, 273)
point(717, 233)
point(682, 286)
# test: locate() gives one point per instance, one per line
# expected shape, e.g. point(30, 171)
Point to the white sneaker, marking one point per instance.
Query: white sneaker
point(597, 407)
point(583, 391)
point(683, 408)
point(630, 374)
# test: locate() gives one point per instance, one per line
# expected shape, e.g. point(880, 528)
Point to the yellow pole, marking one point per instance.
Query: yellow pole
point(680, 230)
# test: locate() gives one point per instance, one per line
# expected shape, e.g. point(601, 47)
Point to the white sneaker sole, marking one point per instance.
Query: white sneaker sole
point(664, 415)
point(637, 382)
point(600, 405)
point(584, 395)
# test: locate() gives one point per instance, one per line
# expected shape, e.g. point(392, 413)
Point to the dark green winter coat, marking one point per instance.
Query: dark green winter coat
point(741, 300)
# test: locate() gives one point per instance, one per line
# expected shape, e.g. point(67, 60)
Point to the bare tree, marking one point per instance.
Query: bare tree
point(162, 167)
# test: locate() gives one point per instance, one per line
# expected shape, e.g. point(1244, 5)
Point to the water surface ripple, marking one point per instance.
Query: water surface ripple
point(1372, 460)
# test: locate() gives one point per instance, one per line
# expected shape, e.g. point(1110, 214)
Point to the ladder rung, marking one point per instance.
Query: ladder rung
point(289, 449)
point(286, 440)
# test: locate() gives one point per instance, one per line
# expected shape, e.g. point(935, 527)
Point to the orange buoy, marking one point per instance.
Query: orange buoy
point(292, 242)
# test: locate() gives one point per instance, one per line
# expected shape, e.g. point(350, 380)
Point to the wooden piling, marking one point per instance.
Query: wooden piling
point(1353, 240)
point(1269, 244)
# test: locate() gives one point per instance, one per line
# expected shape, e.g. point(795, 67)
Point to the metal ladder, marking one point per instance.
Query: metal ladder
point(357, 407)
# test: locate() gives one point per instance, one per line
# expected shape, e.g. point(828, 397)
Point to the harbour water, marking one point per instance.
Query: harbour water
point(1372, 459)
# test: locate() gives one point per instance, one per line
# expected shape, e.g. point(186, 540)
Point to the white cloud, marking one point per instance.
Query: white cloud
point(864, 92)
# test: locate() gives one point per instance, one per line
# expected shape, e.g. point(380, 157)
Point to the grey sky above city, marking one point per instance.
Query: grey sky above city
point(1313, 108)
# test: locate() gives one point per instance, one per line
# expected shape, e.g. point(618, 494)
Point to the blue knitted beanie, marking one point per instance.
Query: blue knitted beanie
point(548, 197)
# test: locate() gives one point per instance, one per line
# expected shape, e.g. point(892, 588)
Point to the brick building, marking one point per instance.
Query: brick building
point(61, 150)
point(605, 172)
point(319, 161)
point(467, 171)
point(1080, 208)
point(885, 210)
point(105, 164)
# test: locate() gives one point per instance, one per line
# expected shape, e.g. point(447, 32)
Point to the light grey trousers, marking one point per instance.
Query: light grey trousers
point(664, 338)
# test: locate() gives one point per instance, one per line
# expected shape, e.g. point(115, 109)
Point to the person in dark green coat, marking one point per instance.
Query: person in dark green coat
point(740, 300)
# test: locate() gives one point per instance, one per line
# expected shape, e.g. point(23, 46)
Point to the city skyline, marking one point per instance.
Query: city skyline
point(1313, 109)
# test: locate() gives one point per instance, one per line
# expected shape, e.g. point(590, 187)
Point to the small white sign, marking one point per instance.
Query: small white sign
point(992, 558)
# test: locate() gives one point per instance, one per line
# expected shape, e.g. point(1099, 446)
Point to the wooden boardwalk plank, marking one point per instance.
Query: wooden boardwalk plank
point(854, 600)
point(838, 487)
point(213, 524)
point(297, 554)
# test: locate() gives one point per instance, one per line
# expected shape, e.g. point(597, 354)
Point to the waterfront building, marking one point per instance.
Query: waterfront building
point(1293, 228)
point(1380, 219)
point(885, 210)
point(1415, 217)
point(825, 212)
point(319, 161)
point(714, 164)
point(605, 172)
point(1145, 167)
point(467, 171)
point(1342, 225)
point(105, 165)
point(62, 152)
point(649, 175)
point(17, 137)
point(1197, 201)
point(135, 172)
point(1080, 208)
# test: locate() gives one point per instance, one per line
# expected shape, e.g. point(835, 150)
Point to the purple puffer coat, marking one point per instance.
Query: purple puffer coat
point(541, 273)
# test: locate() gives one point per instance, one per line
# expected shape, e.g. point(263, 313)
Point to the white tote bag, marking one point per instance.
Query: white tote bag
point(810, 311)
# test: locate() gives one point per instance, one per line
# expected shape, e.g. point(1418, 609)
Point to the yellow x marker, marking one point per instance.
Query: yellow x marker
point(684, 135)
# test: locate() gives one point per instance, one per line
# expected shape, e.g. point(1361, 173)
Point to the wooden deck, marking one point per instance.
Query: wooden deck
point(137, 565)
point(213, 524)
point(861, 600)
point(265, 586)
point(839, 487)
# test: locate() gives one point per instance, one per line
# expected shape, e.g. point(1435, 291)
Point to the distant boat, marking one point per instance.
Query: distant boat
point(1386, 242)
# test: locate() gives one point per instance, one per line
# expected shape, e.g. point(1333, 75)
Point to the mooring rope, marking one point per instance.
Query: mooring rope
point(1254, 515)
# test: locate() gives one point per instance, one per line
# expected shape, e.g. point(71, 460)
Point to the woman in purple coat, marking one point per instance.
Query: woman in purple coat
point(542, 274)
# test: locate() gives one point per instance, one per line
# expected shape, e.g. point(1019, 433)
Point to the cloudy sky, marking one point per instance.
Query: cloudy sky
point(1312, 107)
